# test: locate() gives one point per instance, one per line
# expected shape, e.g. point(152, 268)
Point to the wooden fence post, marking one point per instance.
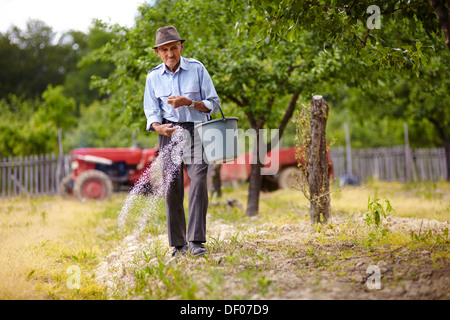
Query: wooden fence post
point(407, 153)
point(317, 173)
point(36, 175)
point(348, 149)
point(60, 163)
point(4, 177)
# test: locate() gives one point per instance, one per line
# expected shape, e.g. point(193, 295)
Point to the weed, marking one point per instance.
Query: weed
point(373, 217)
point(216, 244)
point(235, 240)
point(425, 190)
point(438, 239)
point(44, 216)
point(146, 257)
point(242, 265)
point(232, 259)
point(30, 274)
point(163, 281)
point(375, 212)
point(9, 209)
point(264, 285)
point(214, 284)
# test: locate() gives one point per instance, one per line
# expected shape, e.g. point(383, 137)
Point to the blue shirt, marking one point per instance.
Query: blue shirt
point(190, 80)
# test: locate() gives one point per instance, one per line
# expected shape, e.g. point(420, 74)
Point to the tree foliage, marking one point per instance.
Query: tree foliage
point(42, 85)
point(30, 60)
point(260, 82)
point(397, 66)
point(77, 82)
point(365, 29)
point(264, 57)
point(33, 58)
point(30, 126)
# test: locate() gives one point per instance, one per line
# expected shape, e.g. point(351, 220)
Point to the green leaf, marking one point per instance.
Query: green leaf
point(30, 274)
point(388, 206)
point(419, 45)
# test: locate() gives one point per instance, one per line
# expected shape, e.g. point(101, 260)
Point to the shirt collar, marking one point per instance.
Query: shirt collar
point(183, 65)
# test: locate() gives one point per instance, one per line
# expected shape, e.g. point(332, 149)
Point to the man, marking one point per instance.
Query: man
point(178, 93)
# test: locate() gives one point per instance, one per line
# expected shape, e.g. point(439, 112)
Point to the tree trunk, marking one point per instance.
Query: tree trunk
point(255, 182)
point(443, 14)
point(318, 179)
point(254, 189)
point(215, 180)
point(447, 157)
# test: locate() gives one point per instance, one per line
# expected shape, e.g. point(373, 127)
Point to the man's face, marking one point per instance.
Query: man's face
point(170, 54)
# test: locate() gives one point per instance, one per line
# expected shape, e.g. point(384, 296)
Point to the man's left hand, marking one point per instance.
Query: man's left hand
point(178, 101)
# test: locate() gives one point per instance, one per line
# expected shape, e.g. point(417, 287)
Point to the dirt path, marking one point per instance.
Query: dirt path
point(294, 262)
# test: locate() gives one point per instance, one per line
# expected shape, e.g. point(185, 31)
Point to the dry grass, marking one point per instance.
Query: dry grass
point(41, 238)
point(428, 200)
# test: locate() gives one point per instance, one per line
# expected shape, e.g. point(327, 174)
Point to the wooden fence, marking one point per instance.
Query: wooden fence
point(392, 164)
point(32, 175)
point(41, 175)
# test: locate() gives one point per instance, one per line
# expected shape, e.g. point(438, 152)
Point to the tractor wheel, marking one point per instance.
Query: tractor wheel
point(93, 185)
point(290, 177)
point(66, 186)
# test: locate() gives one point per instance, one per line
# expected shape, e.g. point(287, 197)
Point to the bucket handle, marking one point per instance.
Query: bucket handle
point(221, 112)
point(223, 117)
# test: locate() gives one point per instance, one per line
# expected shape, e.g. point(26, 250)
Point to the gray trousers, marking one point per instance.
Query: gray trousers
point(198, 199)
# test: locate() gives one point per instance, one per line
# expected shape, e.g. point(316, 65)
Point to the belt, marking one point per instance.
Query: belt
point(181, 124)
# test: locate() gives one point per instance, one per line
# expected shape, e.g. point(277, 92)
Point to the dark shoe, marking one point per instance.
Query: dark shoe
point(179, 250)
point(197, 249)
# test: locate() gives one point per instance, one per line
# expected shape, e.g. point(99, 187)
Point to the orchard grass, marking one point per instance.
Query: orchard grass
point(42, 237)
point(276, 254)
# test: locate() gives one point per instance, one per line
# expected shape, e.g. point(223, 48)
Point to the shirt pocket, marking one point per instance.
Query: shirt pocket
point(191, 91)
point(162, 93)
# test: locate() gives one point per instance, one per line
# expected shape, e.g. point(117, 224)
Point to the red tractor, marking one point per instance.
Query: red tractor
point(280, 171)
point(97, 172)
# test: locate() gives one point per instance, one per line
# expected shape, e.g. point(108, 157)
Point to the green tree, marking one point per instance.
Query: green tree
point(56, 112)
point(423, 101)
point(31, 60)
point(14, 125)
point(262, 82)
point(358, 26)
point(56, 108)
point(399, 67)
point(21, 132)
point(77, 82)
point(108, 132)
point(12, 61)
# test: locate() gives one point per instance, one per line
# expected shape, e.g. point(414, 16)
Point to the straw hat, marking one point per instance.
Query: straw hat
point(167, 35)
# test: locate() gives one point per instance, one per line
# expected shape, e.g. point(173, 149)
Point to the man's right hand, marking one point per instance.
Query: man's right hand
point(164, 129)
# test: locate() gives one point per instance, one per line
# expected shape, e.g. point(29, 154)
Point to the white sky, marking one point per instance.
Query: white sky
point(63, 15)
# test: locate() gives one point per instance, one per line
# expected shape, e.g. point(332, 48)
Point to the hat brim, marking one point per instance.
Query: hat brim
point(161, 44)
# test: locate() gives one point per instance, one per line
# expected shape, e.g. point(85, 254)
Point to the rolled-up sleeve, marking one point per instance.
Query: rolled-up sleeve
point(208, 93)
point(151, 105)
